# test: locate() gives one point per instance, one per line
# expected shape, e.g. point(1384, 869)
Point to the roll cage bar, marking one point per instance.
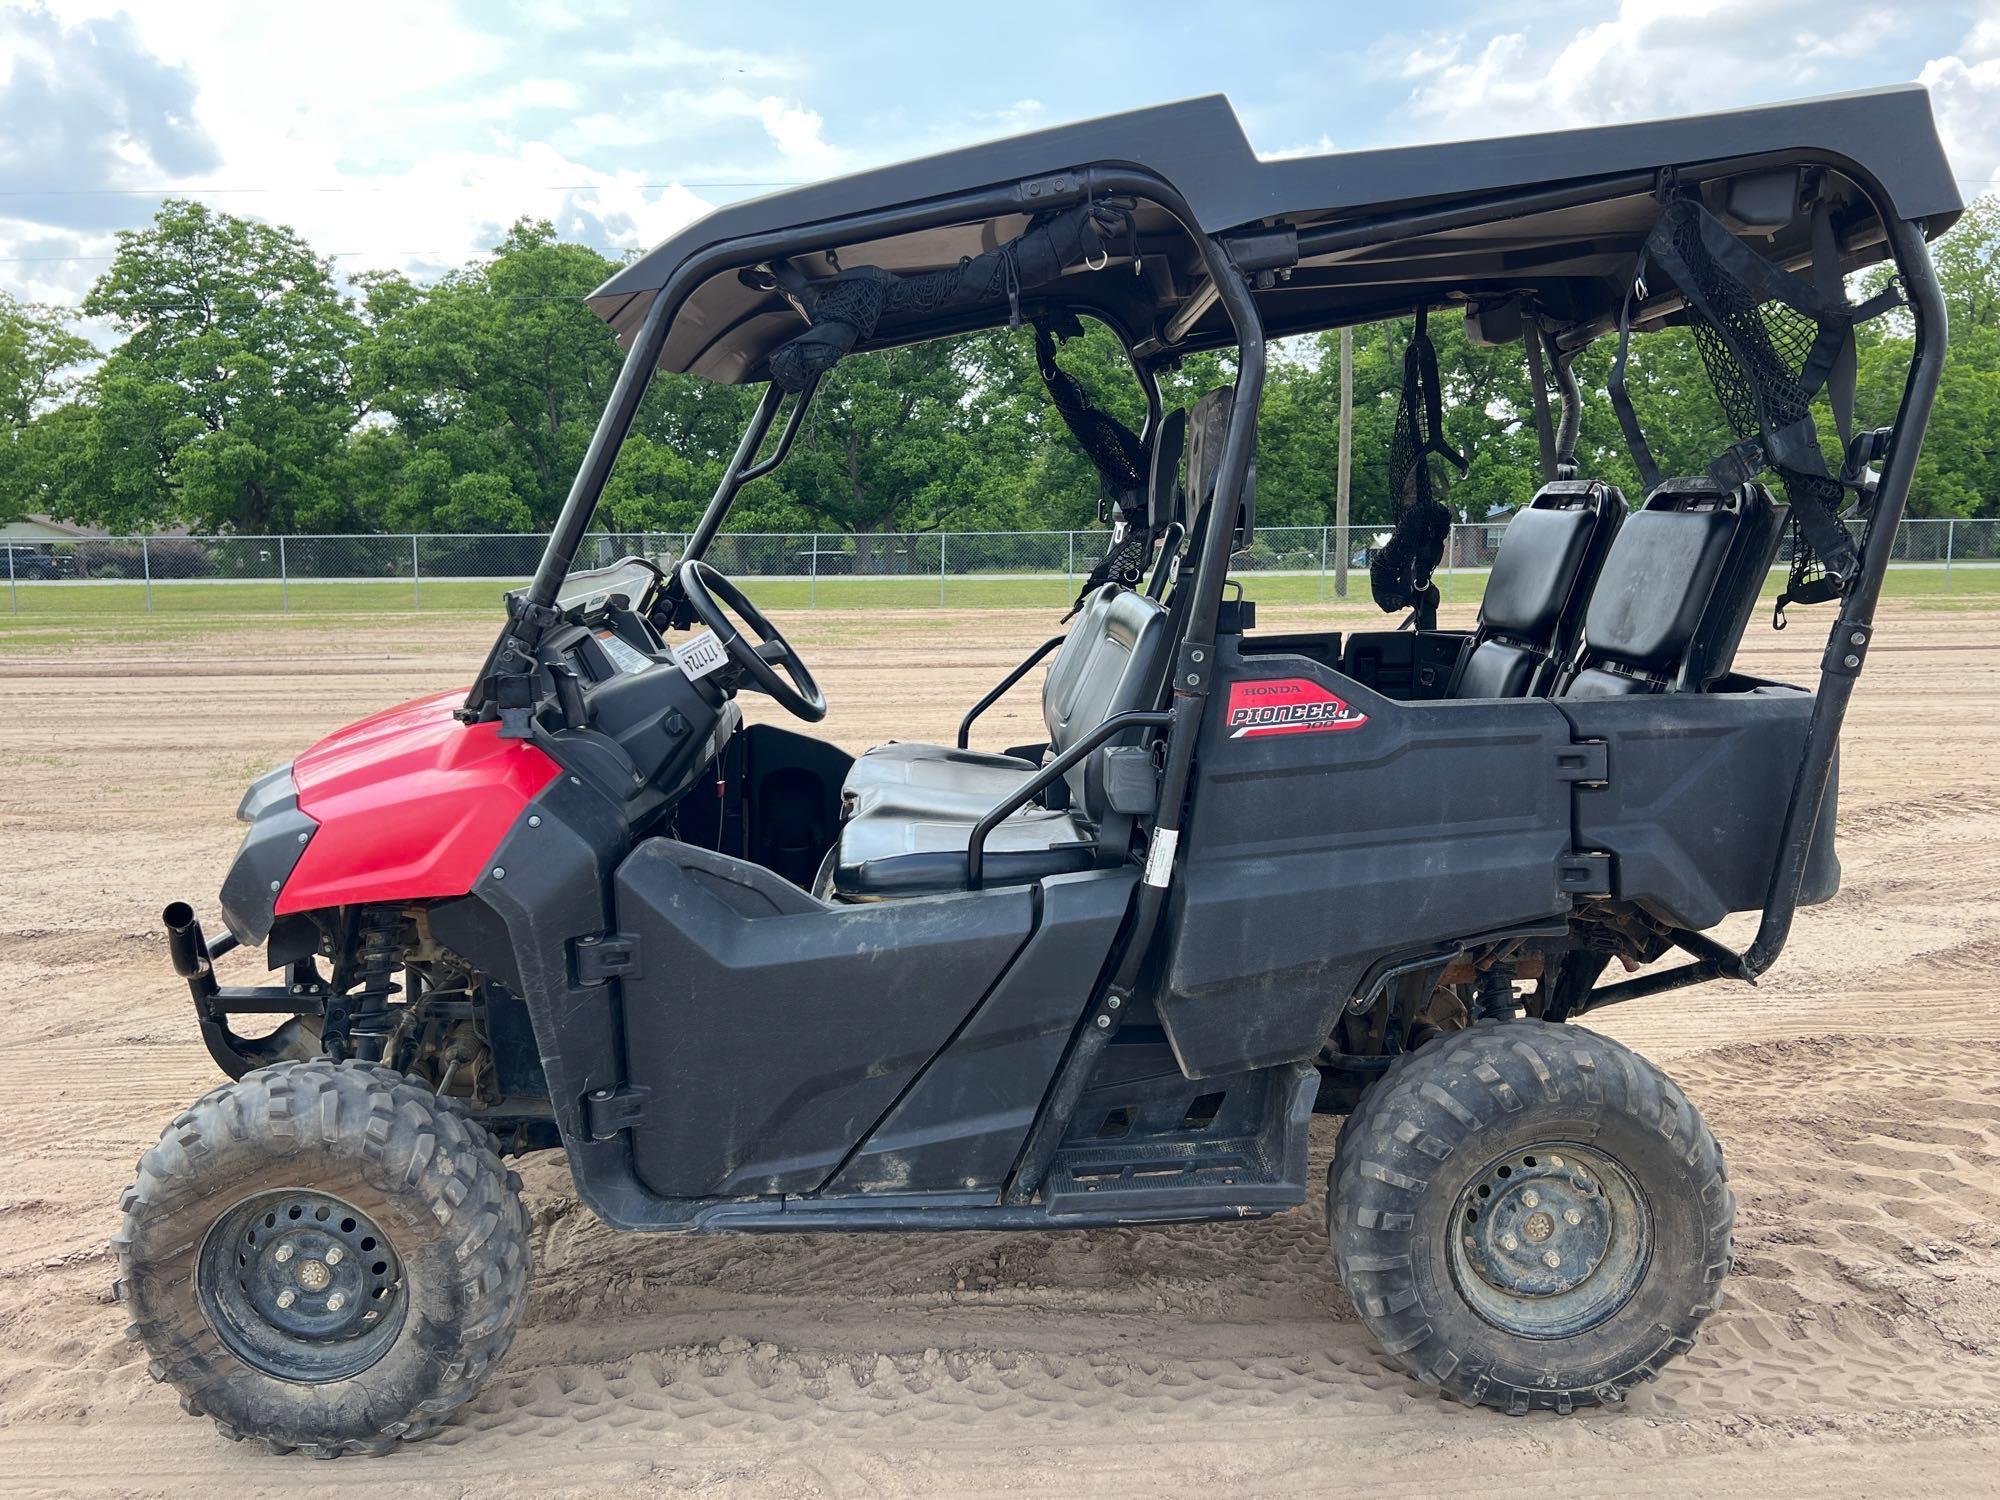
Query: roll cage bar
point(1234, 265)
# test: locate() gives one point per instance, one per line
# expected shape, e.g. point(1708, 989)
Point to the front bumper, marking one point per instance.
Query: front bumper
point(194, 957)
point(278, 835)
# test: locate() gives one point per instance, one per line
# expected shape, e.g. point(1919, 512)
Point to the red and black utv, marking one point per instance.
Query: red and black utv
point(1105, 979)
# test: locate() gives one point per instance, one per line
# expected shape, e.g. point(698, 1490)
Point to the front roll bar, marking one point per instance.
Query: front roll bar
point(1138, 718)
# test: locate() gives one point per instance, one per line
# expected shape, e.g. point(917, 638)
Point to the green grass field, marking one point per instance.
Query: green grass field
point(60, 604)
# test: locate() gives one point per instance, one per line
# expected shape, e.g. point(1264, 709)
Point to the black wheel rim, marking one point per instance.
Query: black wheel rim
point(1551, 1240)
point(301, 1285)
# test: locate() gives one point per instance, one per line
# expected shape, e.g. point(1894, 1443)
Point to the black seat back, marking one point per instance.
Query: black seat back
point(1543, 572)
point(1165, 502)
point(1676, 592)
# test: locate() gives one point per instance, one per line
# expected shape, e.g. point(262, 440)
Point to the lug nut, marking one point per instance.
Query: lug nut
point(333, 1255)
point(287, 1297)
point(1571, 1216)
point(1556, 1162)
point(1551, 1259)
point(1508, 1242)
point(284, 1254)
point(336, 1302)
point(1530, 1198)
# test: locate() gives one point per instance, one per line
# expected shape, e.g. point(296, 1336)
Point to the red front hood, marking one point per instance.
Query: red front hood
point(410, 803)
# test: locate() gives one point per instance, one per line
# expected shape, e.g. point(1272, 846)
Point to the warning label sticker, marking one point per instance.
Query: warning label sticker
point(1288, 705)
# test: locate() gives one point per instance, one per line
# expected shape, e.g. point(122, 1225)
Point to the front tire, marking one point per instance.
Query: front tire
point(324, 1257)
point(1528, 1215)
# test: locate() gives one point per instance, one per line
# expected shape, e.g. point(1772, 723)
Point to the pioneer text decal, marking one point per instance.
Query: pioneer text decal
point(1288, 705)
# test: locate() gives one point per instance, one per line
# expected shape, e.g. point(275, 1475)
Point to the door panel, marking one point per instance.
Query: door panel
point(1321, 841)
point(771, 1042)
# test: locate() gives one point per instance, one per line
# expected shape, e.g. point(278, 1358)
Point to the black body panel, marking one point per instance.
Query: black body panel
point(1694, 803)
point(961, 1123)
point(1412, 665)
point(1311, 855)
point(278, 835)
point(774, 1043)
point(519, 928)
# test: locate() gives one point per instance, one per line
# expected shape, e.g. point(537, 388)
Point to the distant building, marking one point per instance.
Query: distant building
point(46, 529)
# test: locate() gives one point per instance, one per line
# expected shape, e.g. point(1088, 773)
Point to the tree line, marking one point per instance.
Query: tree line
point(250, 390)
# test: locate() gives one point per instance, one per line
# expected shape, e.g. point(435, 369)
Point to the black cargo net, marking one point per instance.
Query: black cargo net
point(1399, 575)
point(843, 309)
point(1113, 449)
point(1770, 343)
point(1118, 456)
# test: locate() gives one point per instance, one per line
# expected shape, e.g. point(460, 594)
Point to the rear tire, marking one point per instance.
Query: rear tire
point(323, 1257)
point(1528, 1215)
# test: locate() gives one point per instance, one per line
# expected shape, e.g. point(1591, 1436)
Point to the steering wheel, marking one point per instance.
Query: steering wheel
point(706, 592)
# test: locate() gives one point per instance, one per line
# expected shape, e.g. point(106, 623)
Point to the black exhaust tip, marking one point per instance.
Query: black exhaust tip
point(185, 946)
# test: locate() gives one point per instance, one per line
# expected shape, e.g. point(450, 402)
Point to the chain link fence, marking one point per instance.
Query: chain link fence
point(973, 570)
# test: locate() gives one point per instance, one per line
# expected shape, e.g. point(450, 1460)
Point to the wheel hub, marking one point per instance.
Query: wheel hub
point(301, 1285)
point(1550, 1240)
point(1539, 1229)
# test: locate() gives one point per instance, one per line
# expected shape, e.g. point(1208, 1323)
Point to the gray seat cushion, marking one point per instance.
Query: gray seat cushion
point(939, 777)
point(887, 852)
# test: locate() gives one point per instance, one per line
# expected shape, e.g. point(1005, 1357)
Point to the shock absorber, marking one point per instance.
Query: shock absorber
point(377, 934)
point(1495, 998)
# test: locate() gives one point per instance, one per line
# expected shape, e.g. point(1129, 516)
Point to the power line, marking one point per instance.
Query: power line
point(429, 189)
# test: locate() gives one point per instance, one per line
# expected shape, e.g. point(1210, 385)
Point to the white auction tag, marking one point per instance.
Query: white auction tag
point(701, 655)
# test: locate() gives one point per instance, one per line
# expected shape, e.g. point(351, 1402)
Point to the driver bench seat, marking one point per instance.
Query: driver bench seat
point(912, 808)
point(1108, 650)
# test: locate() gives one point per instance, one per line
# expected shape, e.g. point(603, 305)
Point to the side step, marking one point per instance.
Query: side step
point(1218, 1147)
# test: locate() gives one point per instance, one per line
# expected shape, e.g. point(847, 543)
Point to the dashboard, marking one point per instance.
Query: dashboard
point(635, 723)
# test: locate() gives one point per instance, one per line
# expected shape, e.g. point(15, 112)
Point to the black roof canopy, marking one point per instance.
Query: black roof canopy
point(1571, 251)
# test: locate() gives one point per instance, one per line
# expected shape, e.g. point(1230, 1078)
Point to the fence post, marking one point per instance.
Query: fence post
point(13, 588)
point(1950, 536)
point(941, 537)
point(1069, 568)
point(1450, 557)
point(416, 575)
point(284, 581)
point(1322, 565)
point(813, 595)
point(146, 567)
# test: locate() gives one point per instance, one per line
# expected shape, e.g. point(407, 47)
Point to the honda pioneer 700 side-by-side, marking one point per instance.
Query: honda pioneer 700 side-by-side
point(1106, 979)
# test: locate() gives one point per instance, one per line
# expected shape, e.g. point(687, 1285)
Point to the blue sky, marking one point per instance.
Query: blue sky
point(407, 134)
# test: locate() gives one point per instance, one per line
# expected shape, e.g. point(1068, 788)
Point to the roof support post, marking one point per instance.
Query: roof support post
point(1847, 644)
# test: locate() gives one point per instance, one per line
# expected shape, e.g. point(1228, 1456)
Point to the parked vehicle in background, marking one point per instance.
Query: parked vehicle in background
point(26, 561)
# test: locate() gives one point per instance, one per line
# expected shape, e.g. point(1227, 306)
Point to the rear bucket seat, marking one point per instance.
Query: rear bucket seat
point(1674, 595)
point(1543, 573)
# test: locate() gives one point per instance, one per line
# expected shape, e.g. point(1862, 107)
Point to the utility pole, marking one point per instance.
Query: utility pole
point(1343, 484)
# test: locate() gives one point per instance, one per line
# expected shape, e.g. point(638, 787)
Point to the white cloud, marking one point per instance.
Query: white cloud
point(795, 131)
point(1965, 93)
point(401, 133)
point(1652, 57)
point(1321, 147)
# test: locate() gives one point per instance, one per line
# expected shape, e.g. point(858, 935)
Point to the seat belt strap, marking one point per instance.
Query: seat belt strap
point(1621, 401)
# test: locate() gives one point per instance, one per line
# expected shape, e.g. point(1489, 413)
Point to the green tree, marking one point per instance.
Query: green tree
point(38, 359)
point(226, 404)
point(494, 377)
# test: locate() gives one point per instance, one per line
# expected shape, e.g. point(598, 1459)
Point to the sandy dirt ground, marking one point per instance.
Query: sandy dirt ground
point(1858, 1348)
